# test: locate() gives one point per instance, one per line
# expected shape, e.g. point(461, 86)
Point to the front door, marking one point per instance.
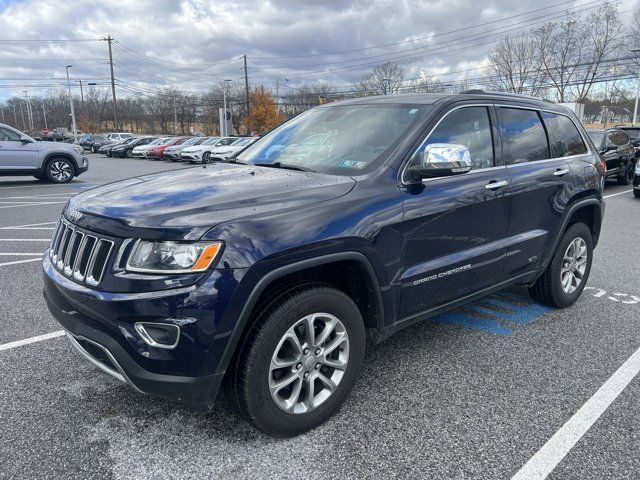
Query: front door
point(15, 154)
point(454, 227)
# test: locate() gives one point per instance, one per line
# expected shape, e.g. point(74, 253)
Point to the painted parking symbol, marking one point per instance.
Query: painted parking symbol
point(494, 314)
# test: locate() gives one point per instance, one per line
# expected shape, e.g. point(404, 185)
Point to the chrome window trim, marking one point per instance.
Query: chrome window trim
point(468, 105)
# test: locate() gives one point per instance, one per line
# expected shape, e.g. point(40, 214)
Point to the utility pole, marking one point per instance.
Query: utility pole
point(81, 95)
point(73, 113)
point(29, 112)
point(175, 118)
point(223, 127)
point(15, 115)
point(109, 39)
point(24, 125)
point(246, 88)
point(44, 114)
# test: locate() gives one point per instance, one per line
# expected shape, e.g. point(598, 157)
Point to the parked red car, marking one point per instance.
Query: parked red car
point(156, 152)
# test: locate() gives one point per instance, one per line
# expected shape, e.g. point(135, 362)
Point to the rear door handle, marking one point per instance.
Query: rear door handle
point(494, 185)
point(561, 172)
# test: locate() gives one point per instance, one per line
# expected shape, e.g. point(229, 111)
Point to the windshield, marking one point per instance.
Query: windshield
point(211, 141)
point(634, 133)
point(341, 140)
point(596, 137)
point(126, 135)
point(156, 141)
point(191, 141)
point(242, 142)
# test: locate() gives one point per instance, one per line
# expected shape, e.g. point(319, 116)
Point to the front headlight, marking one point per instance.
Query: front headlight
point(172, 257)
point(78, 149)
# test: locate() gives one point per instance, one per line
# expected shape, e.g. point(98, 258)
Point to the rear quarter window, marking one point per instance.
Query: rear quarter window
point(565, 139)
point(523, 136)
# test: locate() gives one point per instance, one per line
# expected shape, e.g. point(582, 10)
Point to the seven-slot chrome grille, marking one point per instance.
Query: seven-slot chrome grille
point(79, 254)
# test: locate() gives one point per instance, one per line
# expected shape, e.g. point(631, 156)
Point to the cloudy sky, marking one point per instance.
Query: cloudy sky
point(192, 44)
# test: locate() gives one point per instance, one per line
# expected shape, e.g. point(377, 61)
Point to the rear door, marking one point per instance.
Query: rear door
point(541, 186)
point(454, 227)
point(14, 154)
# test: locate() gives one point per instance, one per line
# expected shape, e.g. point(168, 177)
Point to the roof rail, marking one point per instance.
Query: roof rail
point(477, 91)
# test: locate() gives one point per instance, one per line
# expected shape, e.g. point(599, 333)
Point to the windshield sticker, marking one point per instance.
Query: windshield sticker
point(352, 164)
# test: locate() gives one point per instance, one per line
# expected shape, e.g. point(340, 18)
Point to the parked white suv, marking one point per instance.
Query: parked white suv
point(55, 162)
point(118, 137)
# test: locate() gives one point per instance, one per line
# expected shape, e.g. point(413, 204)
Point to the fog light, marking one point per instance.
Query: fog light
point(159, 335)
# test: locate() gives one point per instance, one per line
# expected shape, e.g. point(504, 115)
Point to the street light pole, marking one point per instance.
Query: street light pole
point(73, 113)
point(635, 108)
point(224, 112)
point(278, 89)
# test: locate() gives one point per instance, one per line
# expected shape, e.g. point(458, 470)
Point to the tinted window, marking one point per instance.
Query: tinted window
point(7, 135)
point(471, 127)
point(566, 139)
point(523, 135)
point(596, 137)
point(617, 138)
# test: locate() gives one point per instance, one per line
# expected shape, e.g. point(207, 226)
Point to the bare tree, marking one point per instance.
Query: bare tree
point(515, 67)
point(384, 79)
point(426, 82)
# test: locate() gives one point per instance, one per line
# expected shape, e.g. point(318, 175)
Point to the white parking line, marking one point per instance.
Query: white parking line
point(29, 226)
point(27, 341)
point(30, 204)
point(619, 193)
point(19, 254)
point(52, 195)
point(25, 239)
point(20, 261)
point(551, 454)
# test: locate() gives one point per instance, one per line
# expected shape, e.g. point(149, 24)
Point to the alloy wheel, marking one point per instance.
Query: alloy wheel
point(574, 265)
point(308, 363)
point(60, 171)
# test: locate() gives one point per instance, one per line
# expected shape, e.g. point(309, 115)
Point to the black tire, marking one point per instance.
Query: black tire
point(636, 192)
point(247, 381)
point(127, 153)
point(627, 176)
point(59, 170)
point(548, 288)
point(206, 157)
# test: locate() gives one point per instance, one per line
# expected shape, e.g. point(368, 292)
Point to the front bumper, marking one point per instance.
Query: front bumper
point(83, 165)
point(100, 328)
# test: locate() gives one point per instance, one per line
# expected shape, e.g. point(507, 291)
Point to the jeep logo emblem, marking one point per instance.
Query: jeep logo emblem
point(74, 214)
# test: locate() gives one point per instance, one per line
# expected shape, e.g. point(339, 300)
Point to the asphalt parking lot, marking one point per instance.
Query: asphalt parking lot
point(474, 393)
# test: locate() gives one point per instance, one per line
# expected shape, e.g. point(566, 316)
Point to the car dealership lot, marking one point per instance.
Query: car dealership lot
point(474, 393)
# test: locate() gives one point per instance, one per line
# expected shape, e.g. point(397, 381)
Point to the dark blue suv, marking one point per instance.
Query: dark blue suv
point(267, 274)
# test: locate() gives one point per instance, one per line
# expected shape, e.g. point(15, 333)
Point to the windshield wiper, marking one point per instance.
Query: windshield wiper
point(286, 166)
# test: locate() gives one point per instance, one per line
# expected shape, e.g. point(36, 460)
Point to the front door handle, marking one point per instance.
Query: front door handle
point(494, 185)
point(561, 172)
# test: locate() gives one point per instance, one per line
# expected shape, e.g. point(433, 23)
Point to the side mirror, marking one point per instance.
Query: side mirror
point(25, 139)
point(439, 160)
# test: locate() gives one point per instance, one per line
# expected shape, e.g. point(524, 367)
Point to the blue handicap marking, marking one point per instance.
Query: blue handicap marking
point(488, 313)
point(82, 186)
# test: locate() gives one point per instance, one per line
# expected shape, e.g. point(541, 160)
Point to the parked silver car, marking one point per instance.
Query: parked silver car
point(51, 161)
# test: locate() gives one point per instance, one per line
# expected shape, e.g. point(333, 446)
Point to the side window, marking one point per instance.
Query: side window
point(468, 126)
point(617, 138)
point(523, 135)
point(7, 135)
point(566, 139)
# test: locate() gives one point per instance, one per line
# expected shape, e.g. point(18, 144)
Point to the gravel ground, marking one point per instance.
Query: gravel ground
point(443, 399)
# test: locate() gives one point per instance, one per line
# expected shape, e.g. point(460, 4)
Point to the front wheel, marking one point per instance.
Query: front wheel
point(636, 192)
point(566, 276)
point(299, 361)
point(59, 170)
point(206, 157)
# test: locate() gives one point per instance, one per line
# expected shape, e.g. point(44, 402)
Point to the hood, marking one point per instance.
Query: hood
point(184, 204)
point(58, 145)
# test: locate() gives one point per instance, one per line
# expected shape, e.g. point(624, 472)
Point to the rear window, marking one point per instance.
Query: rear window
point(565, 137)
point(523, 136)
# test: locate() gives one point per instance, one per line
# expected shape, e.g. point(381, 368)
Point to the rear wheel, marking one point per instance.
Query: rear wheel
point(59, 170)
point(627, 176)
point(566, 276)
point(299, 361)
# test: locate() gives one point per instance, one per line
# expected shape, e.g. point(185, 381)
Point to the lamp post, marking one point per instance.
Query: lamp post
point(635, 108)
point(278, 89)
point(224, 113)
point(73, 113)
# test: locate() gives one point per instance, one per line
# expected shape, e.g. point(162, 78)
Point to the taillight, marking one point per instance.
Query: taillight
point(604, 166)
